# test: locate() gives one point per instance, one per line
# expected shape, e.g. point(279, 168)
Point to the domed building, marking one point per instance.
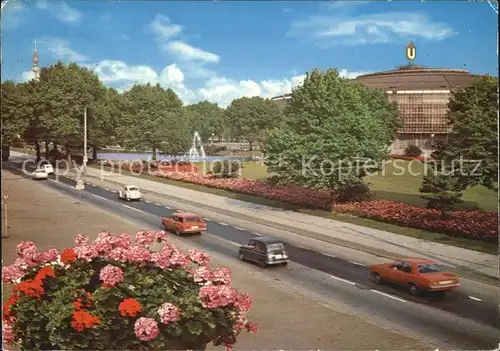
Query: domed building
point(422, 95)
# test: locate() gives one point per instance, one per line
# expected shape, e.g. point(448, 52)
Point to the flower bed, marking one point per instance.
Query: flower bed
point(112, 295)
point(145, 166)
point(470, 224)
point(312, 198)
point(411, 158)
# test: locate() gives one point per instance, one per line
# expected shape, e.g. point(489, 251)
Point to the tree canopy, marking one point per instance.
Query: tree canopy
point(15, 112)
point(207, 119)
point(154, 121)
point(330, 129)
point(251, 119)
point(469, 157)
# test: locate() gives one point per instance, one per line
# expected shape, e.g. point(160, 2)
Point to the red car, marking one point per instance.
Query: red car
point(416, 274)
point(184, 223)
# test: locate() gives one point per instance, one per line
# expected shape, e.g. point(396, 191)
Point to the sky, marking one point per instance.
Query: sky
point(222, 50)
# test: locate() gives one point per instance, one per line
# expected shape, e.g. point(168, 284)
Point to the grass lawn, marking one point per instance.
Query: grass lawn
point(400, 181)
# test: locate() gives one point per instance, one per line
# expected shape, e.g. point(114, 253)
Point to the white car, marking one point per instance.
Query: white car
point(40, 173)
point(48, 167)
point(130, 192)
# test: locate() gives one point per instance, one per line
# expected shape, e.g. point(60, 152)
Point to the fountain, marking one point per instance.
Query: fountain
point(193, 152)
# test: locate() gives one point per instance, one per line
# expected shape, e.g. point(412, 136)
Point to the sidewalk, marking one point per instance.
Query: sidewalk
point(286, 319)
point(345, 234)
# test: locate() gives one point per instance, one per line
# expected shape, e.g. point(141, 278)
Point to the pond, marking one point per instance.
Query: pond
point(159, 157)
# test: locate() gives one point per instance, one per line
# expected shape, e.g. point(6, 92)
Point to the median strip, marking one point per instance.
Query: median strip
point(222, 223)
point(387, 295)
point(357, 263)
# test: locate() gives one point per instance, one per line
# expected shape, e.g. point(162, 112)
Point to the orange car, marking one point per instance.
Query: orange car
point(415, 273)
point(184, 223)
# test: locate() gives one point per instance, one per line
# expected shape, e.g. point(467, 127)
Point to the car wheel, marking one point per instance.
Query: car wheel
point(177, 232)
point(377, 278)
point(413, 289)
point(241, 257)
point(284, 264)
point(262, 264)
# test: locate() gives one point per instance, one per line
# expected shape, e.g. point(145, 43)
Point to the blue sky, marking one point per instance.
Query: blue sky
point(223, 50)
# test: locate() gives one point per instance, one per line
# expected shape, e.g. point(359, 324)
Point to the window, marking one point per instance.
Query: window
point(429, 268)
point(133, 188)
point(260, 246)
point(193, 219)
point(275, 247)
point(251, 243)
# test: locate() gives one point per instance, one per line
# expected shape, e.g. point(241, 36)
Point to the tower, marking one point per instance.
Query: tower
point(35, 60)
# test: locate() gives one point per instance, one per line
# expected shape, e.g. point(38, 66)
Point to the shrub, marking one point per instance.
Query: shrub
point(353, 193)
point(226, 169)
point(113, 295)
point(413, 151)
point(469, 224)
point(213, 149)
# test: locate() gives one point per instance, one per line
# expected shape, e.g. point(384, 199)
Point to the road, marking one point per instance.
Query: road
point(454, 320)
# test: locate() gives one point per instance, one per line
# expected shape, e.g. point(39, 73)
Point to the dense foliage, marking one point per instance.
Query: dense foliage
point(252, 118)
point(413, 150)
point(112, 295)
point(333, 130)
point(469, 157)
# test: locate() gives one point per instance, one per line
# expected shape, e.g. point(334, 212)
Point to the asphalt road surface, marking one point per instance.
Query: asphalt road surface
point(453, 320)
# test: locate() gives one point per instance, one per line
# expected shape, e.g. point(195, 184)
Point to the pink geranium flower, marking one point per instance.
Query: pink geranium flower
point(146, 329)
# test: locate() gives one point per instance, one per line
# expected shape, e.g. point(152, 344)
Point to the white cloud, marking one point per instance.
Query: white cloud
point(187, 52)
point(60, 10)
point(61, 49)
point(369, 29)
point(12, 14)
point(27, 76)
point(343, 5)
point(351, 75)
point(164, 29)
point(112, 71)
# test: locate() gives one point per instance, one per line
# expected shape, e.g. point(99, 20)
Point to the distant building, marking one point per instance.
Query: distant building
point(422, 95)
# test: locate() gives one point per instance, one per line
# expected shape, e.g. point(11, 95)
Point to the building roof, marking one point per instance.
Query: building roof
point(411, 79)
point(416, 79)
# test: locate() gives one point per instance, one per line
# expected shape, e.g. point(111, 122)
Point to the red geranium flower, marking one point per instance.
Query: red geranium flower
point(84, 320)
point(7, 313)
point(46, 271)
point(31, 288)
point(129, 307)
point(68, 256)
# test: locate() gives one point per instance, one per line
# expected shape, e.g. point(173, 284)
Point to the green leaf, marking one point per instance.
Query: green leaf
point(195, 327)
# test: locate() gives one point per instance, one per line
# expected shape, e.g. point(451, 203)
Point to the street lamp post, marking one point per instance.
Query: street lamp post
point(85, 158)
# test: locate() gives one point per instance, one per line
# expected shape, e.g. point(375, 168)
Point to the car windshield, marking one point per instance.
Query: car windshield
point(275, 247)
point(133, 188)
point(193, 219)
point(429, 268)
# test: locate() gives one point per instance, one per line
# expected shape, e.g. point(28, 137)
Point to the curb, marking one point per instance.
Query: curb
point(461, 270)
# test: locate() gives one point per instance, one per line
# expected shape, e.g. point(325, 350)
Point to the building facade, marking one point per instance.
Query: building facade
point(422, 95)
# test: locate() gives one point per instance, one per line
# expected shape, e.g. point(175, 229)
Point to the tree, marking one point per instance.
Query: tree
point(207, 119)
point(61, 95)
point(252, 118)
point(470, 155)
point(104, 117)
point(155, 122)
point(331, 133)
point(15, 113)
